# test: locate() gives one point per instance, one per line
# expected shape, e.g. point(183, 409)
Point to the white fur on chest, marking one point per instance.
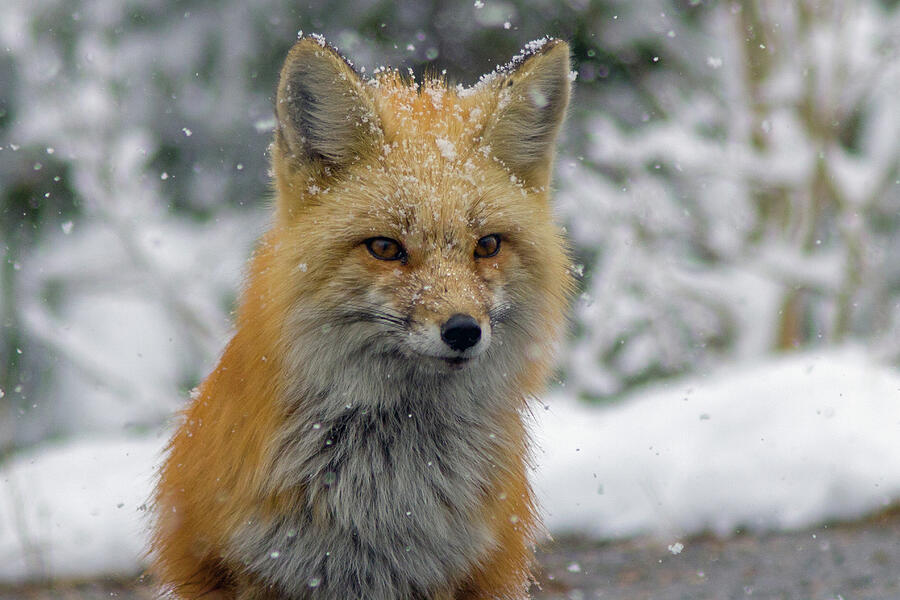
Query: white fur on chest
point(389, 488)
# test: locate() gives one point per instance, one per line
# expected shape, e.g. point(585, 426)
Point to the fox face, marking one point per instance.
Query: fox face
point(413, 219)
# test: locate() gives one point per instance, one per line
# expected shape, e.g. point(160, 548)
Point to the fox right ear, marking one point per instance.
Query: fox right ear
point(325, 115)
point(532, 99)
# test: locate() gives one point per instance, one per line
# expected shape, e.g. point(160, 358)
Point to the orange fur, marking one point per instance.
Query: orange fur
point(218, 472)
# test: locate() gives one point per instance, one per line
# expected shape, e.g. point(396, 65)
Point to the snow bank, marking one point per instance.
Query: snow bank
point(783, 444)
point(76, 510)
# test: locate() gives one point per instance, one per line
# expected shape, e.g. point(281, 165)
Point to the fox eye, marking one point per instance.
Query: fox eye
point(487, 246)
point(384, 248)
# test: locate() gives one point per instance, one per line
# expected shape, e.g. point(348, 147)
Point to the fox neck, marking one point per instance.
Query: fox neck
point(392, 398)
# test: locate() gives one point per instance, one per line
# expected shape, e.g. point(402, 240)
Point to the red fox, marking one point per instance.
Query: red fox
point(363, 436)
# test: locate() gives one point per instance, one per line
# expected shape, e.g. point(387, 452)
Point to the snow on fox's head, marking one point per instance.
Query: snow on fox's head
point(413, 220)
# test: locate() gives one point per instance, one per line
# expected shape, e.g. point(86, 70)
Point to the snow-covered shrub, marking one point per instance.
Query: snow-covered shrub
point(748, 199)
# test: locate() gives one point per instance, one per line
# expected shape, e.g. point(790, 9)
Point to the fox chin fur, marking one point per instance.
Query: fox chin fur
point(341, 450)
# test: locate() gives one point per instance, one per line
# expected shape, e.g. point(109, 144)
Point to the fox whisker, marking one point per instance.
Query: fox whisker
point(500, 313)
point(372, 313)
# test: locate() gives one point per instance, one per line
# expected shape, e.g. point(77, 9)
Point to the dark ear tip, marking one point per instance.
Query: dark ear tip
point(311, 42)
point(540, 51)
point(545, 46)
point(314, 44)
point(552, 43)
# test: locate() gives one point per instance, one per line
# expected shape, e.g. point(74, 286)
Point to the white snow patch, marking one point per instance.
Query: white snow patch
point(447, 148)
point(77, 509)
point(784, 444)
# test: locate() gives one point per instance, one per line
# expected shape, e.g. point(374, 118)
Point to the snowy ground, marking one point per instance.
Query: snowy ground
point(779, 445)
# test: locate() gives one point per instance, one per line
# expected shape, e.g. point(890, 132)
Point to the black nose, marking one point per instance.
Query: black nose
point(460, 332)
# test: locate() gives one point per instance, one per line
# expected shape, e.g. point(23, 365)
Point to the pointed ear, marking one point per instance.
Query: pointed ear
point(531, 103)
point(325, 115)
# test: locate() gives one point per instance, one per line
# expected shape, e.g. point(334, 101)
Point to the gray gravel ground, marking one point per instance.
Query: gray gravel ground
point(855, 561)
point(859, 561)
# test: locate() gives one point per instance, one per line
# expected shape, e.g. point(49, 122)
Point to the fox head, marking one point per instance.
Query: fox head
point(413, 220)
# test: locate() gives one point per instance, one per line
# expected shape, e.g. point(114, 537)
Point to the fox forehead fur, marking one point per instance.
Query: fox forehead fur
point(364, 458)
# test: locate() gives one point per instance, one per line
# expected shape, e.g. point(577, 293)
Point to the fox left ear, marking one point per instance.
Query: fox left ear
point(531, 105)
point(325, 116)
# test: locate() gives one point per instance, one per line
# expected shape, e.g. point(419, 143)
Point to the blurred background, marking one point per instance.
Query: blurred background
point(728, 176)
